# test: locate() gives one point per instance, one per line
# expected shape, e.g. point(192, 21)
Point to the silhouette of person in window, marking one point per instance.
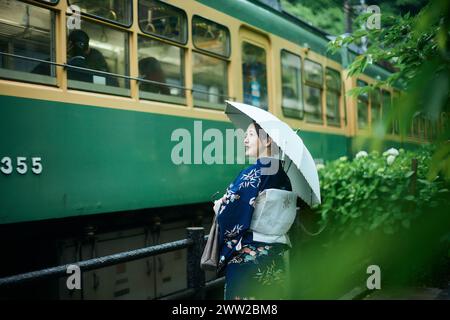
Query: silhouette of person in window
point(82, 55)
point(150, 69)
point(77, 50)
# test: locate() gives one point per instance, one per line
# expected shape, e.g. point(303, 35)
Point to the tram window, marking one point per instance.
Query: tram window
point(396, 122)
point(98, 47)
point(431, 130)
point(210, 36)
point(313, 91)
point(422, 123)
point(363, 107)
point(210, 77)
point(254, 75)
point(291, 81)
point(160, 62)
point(443, 123)
point(333, 81)
point(313, 104)
point(375, 107)
point(410, 128)
point(415, 125)
point(313, 72)
point(386, 104)
point(163, 20)
point(427, 129)
point(118, 11)
point(27, 30)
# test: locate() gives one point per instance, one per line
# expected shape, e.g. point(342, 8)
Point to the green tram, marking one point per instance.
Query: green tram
point(90, 95)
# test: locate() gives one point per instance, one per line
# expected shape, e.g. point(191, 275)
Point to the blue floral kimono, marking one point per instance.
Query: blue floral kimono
point(253, 270)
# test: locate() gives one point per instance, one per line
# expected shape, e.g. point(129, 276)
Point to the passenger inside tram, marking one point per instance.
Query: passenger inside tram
point(150, 69)
point(77, 50)
point(80, 54)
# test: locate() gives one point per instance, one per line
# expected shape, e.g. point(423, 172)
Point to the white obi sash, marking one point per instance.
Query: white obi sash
point(274, 214)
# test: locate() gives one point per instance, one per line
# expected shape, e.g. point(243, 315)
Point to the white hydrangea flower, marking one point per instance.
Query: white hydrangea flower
point(361, 154)
point(391, 152)
point(319, 166)
point(344, 158)
point(390, 159)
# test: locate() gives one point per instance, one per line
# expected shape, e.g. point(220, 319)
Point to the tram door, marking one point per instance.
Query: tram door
point(131, 280)
point(255, 69)
point(147, 278)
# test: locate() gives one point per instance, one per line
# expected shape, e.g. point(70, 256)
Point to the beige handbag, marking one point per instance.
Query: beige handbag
point(210, 256)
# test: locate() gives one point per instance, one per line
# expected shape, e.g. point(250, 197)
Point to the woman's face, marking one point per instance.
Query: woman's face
point(251, 141)
point(254, 147)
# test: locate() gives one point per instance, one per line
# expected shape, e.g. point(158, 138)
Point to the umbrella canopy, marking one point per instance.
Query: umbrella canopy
point(299, 164)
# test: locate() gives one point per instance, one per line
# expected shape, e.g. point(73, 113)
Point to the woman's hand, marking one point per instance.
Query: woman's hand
point(216, 206)
point(218, 203)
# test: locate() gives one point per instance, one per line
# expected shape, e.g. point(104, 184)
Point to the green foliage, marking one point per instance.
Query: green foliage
point(376, 210)
point(369, 194)
point(328, 17)
point(418, 47)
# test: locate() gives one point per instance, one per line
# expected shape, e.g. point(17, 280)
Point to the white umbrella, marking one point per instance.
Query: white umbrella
point(303, 174)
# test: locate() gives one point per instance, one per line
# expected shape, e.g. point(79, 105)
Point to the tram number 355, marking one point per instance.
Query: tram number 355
point(21, 165)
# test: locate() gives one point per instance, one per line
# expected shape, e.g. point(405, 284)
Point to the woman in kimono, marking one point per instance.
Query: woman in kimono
point(253, 269)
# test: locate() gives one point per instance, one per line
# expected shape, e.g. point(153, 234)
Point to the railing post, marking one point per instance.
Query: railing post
point(195, 275)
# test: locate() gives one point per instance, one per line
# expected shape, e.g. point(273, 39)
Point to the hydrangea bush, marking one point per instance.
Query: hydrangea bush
point(375, 210)
point(378, 191)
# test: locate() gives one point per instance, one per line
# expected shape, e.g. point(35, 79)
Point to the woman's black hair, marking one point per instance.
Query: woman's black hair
point(257, 128)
